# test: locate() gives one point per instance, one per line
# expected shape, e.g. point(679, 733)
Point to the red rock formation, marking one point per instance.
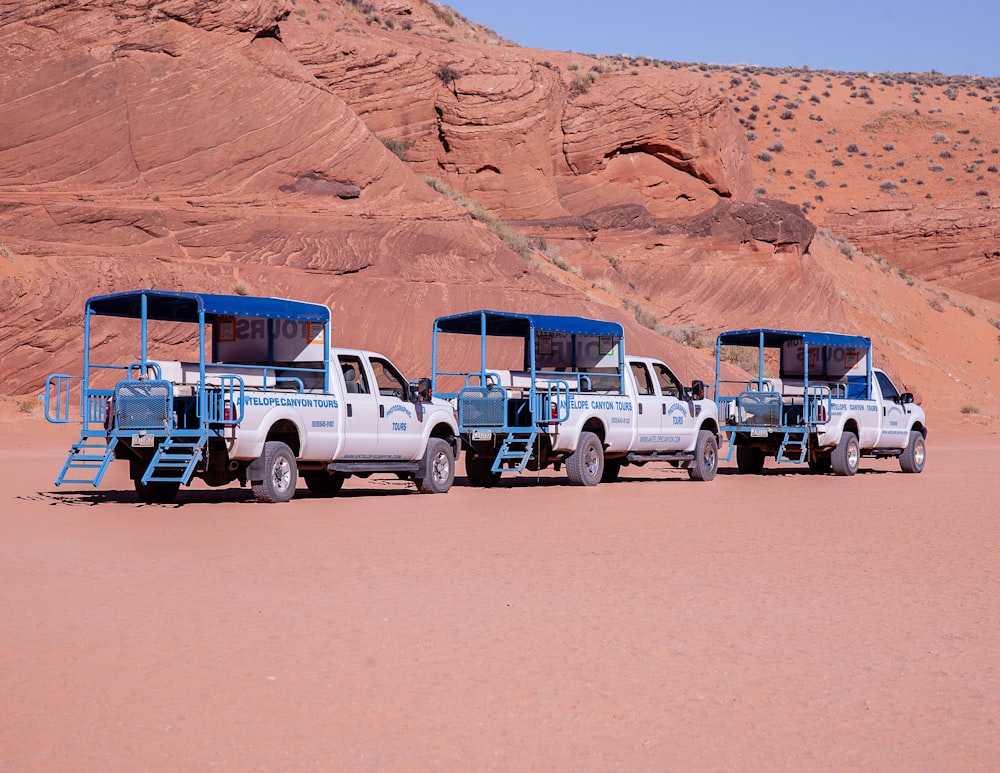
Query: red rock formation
point(252, 147)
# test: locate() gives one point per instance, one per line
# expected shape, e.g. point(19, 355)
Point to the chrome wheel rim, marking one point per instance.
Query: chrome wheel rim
point(281, 474)
point(441, 467)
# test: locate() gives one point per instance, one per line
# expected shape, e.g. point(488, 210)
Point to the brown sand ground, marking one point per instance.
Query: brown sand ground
point(782, 622)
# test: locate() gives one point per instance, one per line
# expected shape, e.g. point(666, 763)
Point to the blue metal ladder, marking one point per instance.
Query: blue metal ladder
point(516, 448)
point(794, 440)
point(89, 457)
point(176, 457)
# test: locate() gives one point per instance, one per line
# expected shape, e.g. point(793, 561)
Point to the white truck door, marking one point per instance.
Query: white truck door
point(361, 400)
point(400, 431)
point(649, 408)
point(894, 422)
point(677, 421)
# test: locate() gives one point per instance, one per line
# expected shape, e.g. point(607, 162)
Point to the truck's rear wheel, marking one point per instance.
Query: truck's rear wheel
point(847, 455)
point(706, 457)
point(915, 454)
point(280, 474)
point(323, 484)
point(156, 492)
point(439, 467)
point(585, 466)
point(749, 460)
point(479, 471)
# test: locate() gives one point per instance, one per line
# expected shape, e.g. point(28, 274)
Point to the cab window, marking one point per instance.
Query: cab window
point(390, 382)
point(643, 382)
point(670, 386)
point(354, 374)
point(889, 391)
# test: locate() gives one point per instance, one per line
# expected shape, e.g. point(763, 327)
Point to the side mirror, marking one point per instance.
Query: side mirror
point(420, 390)
point(697, 390)
point(906, 397)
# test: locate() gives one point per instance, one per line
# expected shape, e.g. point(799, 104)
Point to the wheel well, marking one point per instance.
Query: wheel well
point(286, 432)
point(918, 427)
point(596, 426)
point(852, 426)
point(442, 431)
point(712, 426)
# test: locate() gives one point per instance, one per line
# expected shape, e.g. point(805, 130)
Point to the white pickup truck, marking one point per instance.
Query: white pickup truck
point(573, 398)
point(272, 400)
point(816, 399)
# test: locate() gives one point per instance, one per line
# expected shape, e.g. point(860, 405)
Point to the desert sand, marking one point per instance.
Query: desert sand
point(781, 622)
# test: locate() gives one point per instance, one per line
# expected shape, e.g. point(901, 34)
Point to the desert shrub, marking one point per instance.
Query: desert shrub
point(945, 154)
point(939, 138)
point(448, 74)
point(970, 409)
point(836, 162)
point(821, 183)
point(982, 193)
point(888, 146)
point(810, 174)
point(937, 168)
point(777, 147)
point(764, 156)
point(581, 83)
point(935, 303)
point(852, 147)
point(888, 186)
point(396, 147)
point(787, 115)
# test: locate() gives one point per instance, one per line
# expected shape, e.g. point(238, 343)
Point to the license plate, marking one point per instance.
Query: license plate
point(482, 434)
point(142, 441)
point(758, 433)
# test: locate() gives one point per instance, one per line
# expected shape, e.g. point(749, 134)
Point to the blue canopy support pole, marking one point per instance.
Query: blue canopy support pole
point(760, 363)
point(202, 392)
point(85, 378)
point(482, 347)
point(327, 332)
point(144, 305)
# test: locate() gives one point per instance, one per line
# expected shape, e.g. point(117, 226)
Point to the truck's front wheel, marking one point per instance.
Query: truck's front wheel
point(585, 466)
point(280, 474)
point(479, 471)
point(749, 460)
point(847, 455)
point(706, 457)
point(439, 467)
point(914, 455)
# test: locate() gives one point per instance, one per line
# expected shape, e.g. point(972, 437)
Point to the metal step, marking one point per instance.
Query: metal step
point(175, 459)
point(794, 441)
point(89, 458)
point(516, 448)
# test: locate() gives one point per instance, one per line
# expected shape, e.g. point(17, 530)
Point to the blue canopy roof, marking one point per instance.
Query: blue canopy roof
point(773, 339)
point(505, 323)
point(185, 307)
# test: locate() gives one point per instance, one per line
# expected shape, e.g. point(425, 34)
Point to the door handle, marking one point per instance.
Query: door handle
point(350, 410)
point(381, 411)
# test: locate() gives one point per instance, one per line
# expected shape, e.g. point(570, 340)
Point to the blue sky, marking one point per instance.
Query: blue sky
point(954, 37)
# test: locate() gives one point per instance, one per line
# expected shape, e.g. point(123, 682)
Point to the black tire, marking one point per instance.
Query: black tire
point(585, 466)
point(323, 484)
point(749, 460)
point(479, 471)
point(156, 492)
point(846, 456)
point(914, 456)
point(439, 467)
point(820, 462)
point(280, 474)
point(706, 457)
point(612, 468)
